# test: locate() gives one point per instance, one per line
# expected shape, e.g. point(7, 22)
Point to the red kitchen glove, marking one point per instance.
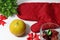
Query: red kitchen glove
point(45, 15)
point(41, 12)
point(43, 18)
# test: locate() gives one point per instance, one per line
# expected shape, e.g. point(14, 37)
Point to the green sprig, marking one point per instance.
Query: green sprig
point(8, 7)
point(48, 32)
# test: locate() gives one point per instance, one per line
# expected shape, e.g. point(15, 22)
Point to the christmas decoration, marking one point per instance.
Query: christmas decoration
point(40, 12)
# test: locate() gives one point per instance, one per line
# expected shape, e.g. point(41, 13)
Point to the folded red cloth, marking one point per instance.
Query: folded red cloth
point(41, 12)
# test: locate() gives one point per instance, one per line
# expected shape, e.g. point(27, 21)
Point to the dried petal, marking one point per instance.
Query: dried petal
point(2, 17)
point(30, 35)
point(2, 22)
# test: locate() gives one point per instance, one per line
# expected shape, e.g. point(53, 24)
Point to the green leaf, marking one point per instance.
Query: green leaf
point(5, 4)
point(8, 1)
point(2, 10)
point(8, 7)
point(49, 32)
point(13, 10)
point(0, 1)
point(5, 13)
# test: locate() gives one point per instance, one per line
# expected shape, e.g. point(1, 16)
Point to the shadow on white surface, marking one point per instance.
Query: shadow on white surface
point(27, 29)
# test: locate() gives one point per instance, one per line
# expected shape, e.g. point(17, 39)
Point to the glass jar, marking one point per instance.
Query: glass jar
point(47, 24)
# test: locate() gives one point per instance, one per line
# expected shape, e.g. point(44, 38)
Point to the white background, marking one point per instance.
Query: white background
point(5, 32)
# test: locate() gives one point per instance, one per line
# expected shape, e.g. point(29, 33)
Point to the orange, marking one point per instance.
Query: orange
point(17, 27)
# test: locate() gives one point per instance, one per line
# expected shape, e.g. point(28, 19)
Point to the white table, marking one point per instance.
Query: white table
point(5, 33)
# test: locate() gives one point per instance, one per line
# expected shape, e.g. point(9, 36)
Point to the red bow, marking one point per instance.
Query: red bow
point(1, 20)
point(33, 37)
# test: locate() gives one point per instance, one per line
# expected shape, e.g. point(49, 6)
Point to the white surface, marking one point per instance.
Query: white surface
point(4, 31)
point(50, 1)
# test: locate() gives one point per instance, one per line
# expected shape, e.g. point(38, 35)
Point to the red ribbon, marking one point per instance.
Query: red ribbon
point(33, 37)
point(1, 20)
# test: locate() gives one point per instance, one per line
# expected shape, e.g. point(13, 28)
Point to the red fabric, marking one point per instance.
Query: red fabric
point(41, 12)
point(46, 14)
point(26, 11)
point(29, 11)
point(56, 8)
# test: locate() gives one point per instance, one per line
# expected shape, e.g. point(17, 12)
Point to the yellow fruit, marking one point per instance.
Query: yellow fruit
point(17, 27)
